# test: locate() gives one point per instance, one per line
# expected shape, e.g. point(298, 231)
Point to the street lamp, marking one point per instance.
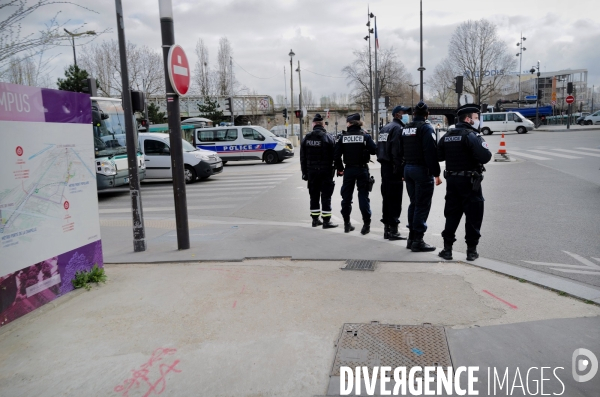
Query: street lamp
point(73, 35)
point(520, 54)
point(291, 54)
point(537, 97)
point(412, 98)
point(368, 38)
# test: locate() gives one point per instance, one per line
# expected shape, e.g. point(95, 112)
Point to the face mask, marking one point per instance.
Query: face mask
point(475, 124)
point(405, 118)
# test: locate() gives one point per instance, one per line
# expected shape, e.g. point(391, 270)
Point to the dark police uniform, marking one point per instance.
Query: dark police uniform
point(465, 152)
point(414, 152)
point(355, 146)
point(391, 183)
point(316, 161)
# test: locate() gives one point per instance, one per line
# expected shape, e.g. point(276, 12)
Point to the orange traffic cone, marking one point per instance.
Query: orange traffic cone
point(502, 149)
point(502, 154)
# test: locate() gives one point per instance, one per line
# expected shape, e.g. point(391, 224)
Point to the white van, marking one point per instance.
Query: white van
point(251, 142)
point(284, 132)
point(199, 164)
point(593, 118)
point(505, 121)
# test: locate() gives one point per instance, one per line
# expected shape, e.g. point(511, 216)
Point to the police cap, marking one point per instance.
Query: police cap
point(401, 108)
point(353, 117)
point(422, 106)
point(318, 117)
point(468, 109)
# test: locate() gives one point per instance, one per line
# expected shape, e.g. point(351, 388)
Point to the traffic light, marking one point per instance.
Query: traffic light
point(459, 84)
point(298, 113)
point(285, 114)
point(90, 86)
point(387, 101)
point(484, 108)
point(569, 88)
point(228, 105)
point(539, 95)
point(137, 101)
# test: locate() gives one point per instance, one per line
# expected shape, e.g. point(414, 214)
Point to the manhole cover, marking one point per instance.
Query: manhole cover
point(407, 346)
point(359, 264)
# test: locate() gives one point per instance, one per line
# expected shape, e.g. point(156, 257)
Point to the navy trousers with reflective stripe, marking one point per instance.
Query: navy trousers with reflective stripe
point(320, 187)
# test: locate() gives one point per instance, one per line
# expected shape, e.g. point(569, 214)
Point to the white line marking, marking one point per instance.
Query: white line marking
point(566, 156)
point(519, 154)
point(588, 267)
point(587, 148)
point(580, 153)
point(163, 209)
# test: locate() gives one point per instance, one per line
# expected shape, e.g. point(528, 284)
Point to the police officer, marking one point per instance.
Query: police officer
point(414, 153)
point(465, 152)
point(316, 161)
point(391, 184)
point(356, 147)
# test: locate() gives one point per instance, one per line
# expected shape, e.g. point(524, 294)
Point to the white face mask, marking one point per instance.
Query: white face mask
point(475, 124)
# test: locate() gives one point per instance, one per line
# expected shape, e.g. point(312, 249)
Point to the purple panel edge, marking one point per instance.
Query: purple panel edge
point(66, 107)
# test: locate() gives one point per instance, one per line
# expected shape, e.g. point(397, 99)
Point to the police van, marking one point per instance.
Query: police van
point(239, 143)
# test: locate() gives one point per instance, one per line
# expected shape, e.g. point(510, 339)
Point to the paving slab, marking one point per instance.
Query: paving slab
point(252, 328)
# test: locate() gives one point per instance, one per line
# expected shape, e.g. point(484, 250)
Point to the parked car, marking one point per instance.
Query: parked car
point(593, 118)
point(580, 118)
point(199, 163)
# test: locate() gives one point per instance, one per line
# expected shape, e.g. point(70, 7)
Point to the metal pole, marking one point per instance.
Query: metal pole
point(74, 57)
point(300, 102)
point(139, 235)
point(177, 168)
point(376, 131)
point(291, 93)
point(421, 69)
point(537, 93)
point(370, 71)
point(231, 88)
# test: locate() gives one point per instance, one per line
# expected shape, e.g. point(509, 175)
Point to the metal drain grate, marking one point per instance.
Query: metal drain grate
point(375, 344)
point(359, 264)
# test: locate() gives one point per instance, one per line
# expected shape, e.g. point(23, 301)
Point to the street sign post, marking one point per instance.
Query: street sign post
point(179, 70)
point(570, 99)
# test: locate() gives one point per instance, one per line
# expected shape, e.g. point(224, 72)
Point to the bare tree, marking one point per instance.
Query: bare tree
point(145, 65)
point(307, 98)
point(476, 51)
point(223, 61)
point(441, 83)
point(203, 77)
point(13, 42)
point(392, 75)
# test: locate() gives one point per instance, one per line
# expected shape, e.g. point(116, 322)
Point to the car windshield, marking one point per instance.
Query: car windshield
point(187, 147)
point(109, 133)
point(263, 131)
point(520, 116)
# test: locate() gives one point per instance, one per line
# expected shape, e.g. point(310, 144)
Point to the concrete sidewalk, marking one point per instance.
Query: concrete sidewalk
point(563, 128)
point(268, 327)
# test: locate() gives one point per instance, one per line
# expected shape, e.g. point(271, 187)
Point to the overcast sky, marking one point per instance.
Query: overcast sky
point(323, 33)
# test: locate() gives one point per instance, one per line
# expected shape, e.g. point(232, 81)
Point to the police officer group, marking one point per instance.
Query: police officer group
point(409, 154)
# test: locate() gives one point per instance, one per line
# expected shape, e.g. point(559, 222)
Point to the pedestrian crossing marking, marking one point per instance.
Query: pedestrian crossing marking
point(566, 156)
point(580, 153)
point(519, 154)
point(587, 267)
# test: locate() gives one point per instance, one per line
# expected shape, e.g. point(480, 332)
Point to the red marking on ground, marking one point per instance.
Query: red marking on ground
point(140, 377)
point(243, 288)
point(500, 299)
point(234, 303)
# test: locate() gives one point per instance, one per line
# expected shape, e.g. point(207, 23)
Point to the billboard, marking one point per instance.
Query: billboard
point(49, 225)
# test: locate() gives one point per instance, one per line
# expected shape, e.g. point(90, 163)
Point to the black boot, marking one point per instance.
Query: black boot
point(327, 223)
point(446, 253)
point(419, 245)
point(394, 234)
point(386, 232)
point(410, 240)
point(366, 227)
point(316, 221)
point(472, 253)
point(348, 227)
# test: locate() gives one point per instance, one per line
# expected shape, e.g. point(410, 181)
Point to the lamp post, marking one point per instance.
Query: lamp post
point(368, 38)
point(291, 113)
point(73, 35)
point(520, 54)
point(592, 110)
point(537, 93)
point(412, 96)
point(300, 101)
point(421, 68)
point(376, 130)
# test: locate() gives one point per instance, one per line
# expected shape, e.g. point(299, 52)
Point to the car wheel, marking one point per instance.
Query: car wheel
point(486, 131)
point(521, 130)
point(271, 157)
point(190, 174)
point(588, 122)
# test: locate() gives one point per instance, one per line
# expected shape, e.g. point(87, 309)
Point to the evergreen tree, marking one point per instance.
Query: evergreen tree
point(74, 79)
point(154, 115)
point(211, 110)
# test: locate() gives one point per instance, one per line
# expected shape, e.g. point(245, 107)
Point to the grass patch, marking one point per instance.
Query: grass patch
point(562, 293)
point(83, 279)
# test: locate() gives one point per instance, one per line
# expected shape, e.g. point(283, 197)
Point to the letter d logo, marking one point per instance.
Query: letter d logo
point(582, 364)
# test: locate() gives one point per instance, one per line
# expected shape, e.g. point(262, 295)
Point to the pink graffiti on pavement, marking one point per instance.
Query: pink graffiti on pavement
point(142, 377)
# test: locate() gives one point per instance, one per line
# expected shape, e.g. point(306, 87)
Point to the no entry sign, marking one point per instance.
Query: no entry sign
point(179, 69)
point(570, 99)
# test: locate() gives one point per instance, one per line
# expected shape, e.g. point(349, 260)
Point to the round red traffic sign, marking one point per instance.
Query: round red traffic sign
point(19, 151)
point(179, 70)
point(66, 205)
point(570, 99)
